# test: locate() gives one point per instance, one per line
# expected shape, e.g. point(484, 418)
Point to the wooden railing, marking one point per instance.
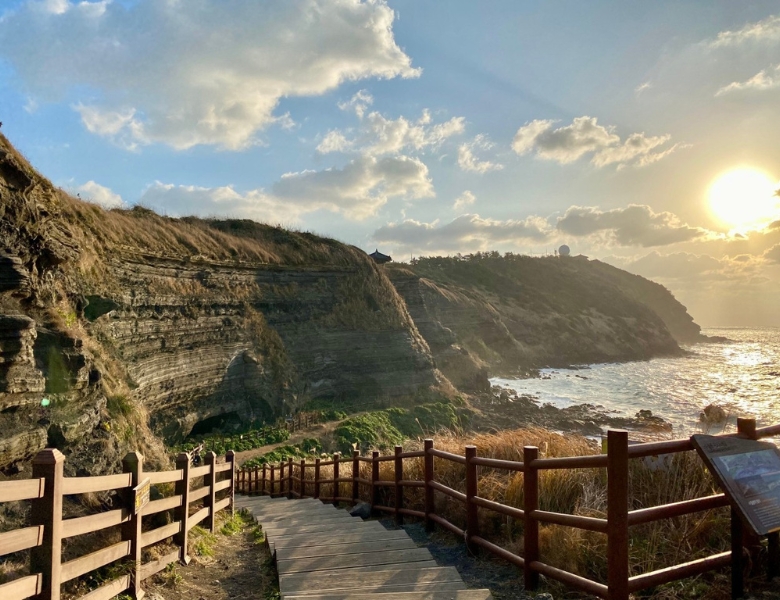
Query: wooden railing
point(48, 529)
point(301, 479)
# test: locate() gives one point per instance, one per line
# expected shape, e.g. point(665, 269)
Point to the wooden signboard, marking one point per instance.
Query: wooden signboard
point(749, 474)
point(141, 494)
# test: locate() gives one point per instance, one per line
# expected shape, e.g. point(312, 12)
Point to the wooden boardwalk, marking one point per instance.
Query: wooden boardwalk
point(324, 553)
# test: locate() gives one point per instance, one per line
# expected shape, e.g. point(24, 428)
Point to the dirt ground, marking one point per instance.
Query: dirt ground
point(240, 568)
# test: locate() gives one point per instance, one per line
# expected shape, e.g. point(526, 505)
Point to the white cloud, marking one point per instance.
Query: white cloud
point(213, 73)
point(767, 79)
point(99, 194)
point(642, 87)
point(185, 200)
point(360, 188)
point(469, 162)
point(379, 135)
point(466, 233)
point(765, 30)
point(464, 200)
point(358, 103)
point(635, 225)
point(585, 135)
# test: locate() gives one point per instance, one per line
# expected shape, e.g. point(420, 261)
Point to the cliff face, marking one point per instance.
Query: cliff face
point(514, 313)
point(114, 322)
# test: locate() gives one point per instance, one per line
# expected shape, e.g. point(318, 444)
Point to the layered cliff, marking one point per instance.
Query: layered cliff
point(115, 321)
point(509, 314)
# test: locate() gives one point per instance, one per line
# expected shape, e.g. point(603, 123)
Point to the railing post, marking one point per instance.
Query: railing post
point(262, 482)
point(289, 477)
point(302, 473)
point(131, 530)
point(182, 513)
point(374, 479)
point(747, 427)
point(355, 476)
point(209, 479)
point(271, 482)
point(472, 516)
point(47, 511)
point(282, 478)
point(399, 490)
point(530, 524)
point(617, 514)
point(336, 494)
point(317, 478)
point(430, 507)
point(230, 458)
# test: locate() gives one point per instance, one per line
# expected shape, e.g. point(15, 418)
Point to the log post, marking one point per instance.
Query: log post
point(289, 478)
point(374, 479)
point(355, 476)
point(336, 459)
point(209, 480)
point(430, 507)
point(617, 514)
point(399, 490)
point(317, 478)
point(472, 515)
point(182, 513)
point(230, 458)
point(47, 511)
point(131, 530)
point(530, 524)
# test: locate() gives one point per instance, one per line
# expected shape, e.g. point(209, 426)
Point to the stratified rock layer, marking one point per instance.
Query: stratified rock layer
point(180, 321)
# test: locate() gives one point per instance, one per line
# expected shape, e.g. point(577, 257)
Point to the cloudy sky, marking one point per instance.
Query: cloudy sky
point(644, 134)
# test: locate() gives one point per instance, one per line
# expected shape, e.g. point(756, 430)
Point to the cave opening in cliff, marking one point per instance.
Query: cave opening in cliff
point(226, 422)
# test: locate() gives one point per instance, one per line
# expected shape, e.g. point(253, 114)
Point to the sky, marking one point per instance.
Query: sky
point(643, 134)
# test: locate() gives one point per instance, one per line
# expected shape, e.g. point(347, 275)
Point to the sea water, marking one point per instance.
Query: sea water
point(742, 377)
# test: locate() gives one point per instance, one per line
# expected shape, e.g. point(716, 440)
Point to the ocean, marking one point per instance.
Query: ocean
point(742, 377)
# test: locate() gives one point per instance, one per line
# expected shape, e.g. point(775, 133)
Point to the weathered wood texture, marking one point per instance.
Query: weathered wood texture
point(44, 538)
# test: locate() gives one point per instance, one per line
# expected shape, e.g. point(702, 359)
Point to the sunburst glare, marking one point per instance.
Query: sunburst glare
point(744, 198)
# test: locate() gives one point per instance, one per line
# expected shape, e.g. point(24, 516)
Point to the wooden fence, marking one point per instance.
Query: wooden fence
point(290, 478)
point(47, 531)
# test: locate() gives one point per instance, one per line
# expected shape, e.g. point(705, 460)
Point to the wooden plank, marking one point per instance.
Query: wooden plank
point(199, 493)
point(222, 504)
point(197, 517)
point(22, 588)
point(222, 467)
point(25, 489)
point(309, 520)
point(101, 483)
point(94, 560)
point(412, 590)
point(90, 523)
point(164, 476)
point(155, 535)
point(338, 561)
point(307, 551)
point(419, 595)
point(272, 511)
point(109, 590)
point(222, 485)
point(158, 565)
point(21, 539)
point(199, 471)
point(328, 539)
point(325, 527)
point(376, 578)
point(280, 514)
point(157, 506)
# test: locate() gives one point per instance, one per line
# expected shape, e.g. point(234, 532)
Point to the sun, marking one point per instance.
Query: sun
point(744, 198)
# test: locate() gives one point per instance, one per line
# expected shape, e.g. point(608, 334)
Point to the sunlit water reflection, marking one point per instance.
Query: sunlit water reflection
point(743, 377)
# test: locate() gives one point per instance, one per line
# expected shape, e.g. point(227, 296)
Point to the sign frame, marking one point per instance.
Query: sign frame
point(748, 472)
point(141, 495)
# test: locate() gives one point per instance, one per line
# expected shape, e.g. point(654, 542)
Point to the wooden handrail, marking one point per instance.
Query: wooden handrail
point(26, 489)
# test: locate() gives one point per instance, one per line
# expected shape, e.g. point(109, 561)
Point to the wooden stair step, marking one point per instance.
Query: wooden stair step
point(378, 578)
point(327, 539)
point(419, 595)
point(329, 549)
point(340, 561)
